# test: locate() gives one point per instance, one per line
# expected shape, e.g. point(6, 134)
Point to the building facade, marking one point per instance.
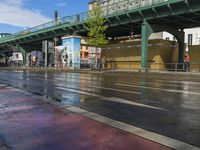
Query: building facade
point(192, 36)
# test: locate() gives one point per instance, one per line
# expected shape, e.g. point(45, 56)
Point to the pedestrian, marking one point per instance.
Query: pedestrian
point(96, 62)
point(59, 60)
point(66, 59)
point(187, 62)
point(34, 61)
point(29, 60)
point(103, 62)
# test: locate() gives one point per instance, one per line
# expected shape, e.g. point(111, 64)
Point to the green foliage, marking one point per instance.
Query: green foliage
point(96, 27)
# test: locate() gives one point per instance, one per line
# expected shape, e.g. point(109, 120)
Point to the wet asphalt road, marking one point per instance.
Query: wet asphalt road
point(166, 106)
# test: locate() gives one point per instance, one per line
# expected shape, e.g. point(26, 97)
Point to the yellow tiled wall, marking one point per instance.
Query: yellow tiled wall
point(194, 53)
point(128, 55)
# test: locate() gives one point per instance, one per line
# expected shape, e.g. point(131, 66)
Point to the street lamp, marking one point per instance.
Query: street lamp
point(55, 51)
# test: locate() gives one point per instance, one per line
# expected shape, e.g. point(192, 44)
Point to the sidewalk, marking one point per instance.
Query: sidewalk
point(28, 123)
point(3, 145)
point(94, 71)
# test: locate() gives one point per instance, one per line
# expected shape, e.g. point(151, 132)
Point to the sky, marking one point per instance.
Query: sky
point(16, 15)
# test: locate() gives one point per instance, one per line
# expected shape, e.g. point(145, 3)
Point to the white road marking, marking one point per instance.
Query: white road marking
point(124, 101)
point(161, 139)
point(185, 82)
point(150, 83)
point(154, 88)
point(2, 85)
point(164, 140)
point(77, 91)
point(100, 87)
point(18, 71)
point(112, 89)
point(113, 99)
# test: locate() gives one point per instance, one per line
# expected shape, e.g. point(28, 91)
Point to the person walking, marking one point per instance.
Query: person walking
point(96, 62)
point(60, 64)
point(187, 62)
point(103, 62)
point(29, 60)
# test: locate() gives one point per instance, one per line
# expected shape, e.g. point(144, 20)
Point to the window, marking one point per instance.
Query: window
point(189, 39)
point(167, 38)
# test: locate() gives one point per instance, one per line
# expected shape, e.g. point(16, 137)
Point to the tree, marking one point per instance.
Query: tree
point(95, 25)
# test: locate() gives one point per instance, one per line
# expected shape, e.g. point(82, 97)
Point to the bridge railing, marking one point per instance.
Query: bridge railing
point(118, 7)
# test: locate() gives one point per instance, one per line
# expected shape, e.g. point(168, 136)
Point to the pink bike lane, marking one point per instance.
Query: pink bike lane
point(28, 123)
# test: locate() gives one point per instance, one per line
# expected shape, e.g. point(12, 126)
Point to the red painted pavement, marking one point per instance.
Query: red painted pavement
point(31, 124)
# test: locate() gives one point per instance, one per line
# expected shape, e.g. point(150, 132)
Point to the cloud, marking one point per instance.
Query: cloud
point(14, 12)
point(62, 4)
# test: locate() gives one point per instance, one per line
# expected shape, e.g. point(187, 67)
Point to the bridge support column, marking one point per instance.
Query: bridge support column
point(179, 34)
point(146, 32)
point(24, 53)
point(181, 45)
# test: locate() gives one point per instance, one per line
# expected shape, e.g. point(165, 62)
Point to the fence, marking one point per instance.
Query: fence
point(128, 66)
point(152, 66)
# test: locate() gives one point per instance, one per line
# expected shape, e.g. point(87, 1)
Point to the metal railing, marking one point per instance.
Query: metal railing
point(152, 66)
point(130, 66)
point(115, 8)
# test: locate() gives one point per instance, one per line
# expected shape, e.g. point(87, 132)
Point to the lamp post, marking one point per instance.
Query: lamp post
point(55, 52)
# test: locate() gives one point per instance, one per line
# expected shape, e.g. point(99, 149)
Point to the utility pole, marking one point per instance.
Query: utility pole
point(45, 53)
point(55, 52)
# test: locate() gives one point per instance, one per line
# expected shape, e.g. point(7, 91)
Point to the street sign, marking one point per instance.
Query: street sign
point(49, 45)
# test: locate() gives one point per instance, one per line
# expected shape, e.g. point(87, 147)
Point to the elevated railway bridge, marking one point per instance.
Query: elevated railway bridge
point(137, 16)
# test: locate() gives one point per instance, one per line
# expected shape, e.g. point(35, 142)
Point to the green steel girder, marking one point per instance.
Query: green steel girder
point(37, 34)
point(108, 22)
point(43, 38)
point(78, 27)
point(196, 13)
point(188, 5)
point(170, 8)
point(155, 12)
point(173, 21)
point(187, 19)
point(54, 32)
point(168, 11)
point(118, 19)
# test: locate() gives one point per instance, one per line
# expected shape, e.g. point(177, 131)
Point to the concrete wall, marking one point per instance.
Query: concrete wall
point(128, 55)
point(194, 53)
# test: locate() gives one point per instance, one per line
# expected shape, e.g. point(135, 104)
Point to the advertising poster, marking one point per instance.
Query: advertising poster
point(71, 46)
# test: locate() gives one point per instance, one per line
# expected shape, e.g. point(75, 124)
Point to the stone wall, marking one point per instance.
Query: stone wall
point(128, 55)
point(194, 53)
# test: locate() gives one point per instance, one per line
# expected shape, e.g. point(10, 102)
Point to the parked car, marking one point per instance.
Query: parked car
point(85, 63)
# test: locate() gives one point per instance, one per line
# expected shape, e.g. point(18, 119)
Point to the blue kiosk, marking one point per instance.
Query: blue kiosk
point(72, 46)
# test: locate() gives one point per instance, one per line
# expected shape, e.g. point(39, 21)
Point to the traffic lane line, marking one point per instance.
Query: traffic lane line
point(161, 89)
point(164, 140)
point(113, 99)
point(50, 127)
